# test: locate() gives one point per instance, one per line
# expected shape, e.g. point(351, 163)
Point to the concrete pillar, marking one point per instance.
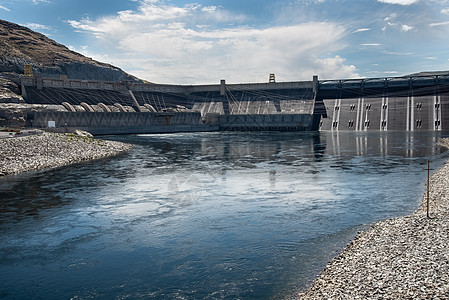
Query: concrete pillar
point(315, 84)
point(384, 114)
point(437, 113)
point(222, 87)
point(136, 104)
point(336, 115)
point(24, 92)
point(362, 114)
point(412, 113)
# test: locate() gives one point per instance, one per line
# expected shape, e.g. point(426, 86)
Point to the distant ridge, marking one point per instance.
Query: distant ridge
point(20, 45)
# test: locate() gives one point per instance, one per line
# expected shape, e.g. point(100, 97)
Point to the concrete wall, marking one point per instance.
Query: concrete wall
point(269, 107)
point(277, 122)
point(161, 88)
point(121, 123)
point(413, 113)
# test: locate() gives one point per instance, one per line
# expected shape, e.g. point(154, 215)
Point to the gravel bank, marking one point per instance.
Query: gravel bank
point(401, 258)
point(51, 150)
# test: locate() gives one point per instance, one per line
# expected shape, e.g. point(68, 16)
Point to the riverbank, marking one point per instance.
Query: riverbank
point(50, 150)
point(401, 258)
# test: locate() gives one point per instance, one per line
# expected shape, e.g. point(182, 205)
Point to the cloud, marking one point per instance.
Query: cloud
point(361, 30)
point(405, 28)
point(4, 8)
point(397, 53)
point(35, 26)
point(382, 73)
point(196, 44)
point(445, 11)
point(36, 2)
point(400, 2)
point(337, 67)
point(372, 44)
point(439, 24)
point(392, 22)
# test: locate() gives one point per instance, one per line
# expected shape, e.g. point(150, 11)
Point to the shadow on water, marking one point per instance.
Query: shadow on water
point(23, 196)
point(204, 215)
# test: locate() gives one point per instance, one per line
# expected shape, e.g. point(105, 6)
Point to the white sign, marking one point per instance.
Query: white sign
point(51, 124)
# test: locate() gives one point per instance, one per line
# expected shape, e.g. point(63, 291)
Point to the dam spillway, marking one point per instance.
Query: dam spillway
point(395, 103)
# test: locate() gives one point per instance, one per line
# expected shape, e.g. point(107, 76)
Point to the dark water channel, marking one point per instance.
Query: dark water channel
point(204, 215)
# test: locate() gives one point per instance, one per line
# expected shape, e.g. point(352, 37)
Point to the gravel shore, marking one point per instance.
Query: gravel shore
point(49, 150)
point(401, 258)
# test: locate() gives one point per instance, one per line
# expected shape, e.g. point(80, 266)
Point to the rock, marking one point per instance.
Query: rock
point(82, 133)
point(22, 46)
point(10, 92)
point(49, 150)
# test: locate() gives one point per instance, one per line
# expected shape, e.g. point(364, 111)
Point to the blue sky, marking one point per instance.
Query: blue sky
point(203, 41)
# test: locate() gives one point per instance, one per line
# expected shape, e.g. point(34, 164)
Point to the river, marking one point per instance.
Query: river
point(204, 215)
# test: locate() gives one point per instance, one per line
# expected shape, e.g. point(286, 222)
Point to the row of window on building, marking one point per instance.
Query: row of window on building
point(383, 124)
point(384, 107)
point(351, 124)
point(352, 107)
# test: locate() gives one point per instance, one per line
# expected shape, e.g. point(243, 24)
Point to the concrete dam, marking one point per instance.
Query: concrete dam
point(410, 103)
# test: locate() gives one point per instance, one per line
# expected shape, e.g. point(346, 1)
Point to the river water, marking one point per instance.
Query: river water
point(204, 215)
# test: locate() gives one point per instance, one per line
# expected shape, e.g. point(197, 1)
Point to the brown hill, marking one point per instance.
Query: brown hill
point(20, 46)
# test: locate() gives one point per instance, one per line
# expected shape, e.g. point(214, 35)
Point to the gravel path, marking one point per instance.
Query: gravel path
point(401, 258)
point(51, 150)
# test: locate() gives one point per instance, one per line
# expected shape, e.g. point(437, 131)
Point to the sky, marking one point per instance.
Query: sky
point(243, 41)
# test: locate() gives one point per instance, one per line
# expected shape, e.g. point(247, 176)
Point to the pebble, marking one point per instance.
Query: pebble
point(400, 258)
point(50, 150)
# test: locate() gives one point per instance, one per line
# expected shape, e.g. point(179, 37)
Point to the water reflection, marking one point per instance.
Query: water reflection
point(268, 146)
point(383, 144)
point(210, 215)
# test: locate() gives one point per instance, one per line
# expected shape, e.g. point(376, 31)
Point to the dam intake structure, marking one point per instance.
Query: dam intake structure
point(410, 103)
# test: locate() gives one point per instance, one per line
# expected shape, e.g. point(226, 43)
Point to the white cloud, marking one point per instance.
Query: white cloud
point(405, 28)
point(361, 30)
point(334, 67)
point(209, 8)
point(372, 44)
point(392, 22)
point(4, 8)
point(35, 26)
point(36, 2)
point(84, 49)
point(445, 11)
point(400, 2)
point(382, 73)
point(397, 53)
point(439, 24)
point(164, 43)
point(391, 17)
point(431, 58)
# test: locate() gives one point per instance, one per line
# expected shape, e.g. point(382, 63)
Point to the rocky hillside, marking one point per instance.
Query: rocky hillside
point(20, 46)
